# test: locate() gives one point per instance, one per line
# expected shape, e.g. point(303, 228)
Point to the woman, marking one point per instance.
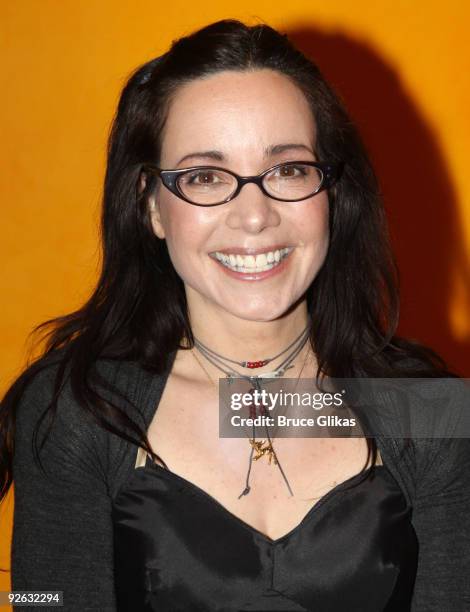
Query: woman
point(206, 274)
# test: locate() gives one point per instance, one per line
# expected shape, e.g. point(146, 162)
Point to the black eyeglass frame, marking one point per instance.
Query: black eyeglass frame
point(331, 172)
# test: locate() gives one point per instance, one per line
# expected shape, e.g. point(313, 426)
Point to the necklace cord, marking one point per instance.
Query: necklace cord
point(255, 380)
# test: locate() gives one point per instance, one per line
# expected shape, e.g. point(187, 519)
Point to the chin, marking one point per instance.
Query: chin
point(258, 313)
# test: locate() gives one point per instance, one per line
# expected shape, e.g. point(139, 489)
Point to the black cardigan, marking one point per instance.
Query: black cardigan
point(63, 532)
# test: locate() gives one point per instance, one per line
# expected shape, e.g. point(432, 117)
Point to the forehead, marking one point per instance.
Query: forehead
point(237, 113)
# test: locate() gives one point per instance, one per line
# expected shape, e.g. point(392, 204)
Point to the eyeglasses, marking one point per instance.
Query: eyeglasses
point(286, 182)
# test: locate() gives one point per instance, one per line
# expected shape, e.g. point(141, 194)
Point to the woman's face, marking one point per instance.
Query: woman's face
point(245, 122)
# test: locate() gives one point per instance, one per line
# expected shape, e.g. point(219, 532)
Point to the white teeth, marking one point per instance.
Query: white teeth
point(261, 260)
point(250, 263)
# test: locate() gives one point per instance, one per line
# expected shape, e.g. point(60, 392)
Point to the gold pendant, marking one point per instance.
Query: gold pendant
point(261, 451)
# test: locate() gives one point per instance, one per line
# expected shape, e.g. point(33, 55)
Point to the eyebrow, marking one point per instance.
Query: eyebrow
point(268, 152)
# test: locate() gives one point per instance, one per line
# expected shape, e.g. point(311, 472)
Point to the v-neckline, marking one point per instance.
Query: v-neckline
point(156, 392)
point(151, 467)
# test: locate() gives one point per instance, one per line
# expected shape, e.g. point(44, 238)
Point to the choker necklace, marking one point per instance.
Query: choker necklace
point(245, 364)
point(216, 359)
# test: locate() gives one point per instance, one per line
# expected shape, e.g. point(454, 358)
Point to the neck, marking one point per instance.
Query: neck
point(247, 340)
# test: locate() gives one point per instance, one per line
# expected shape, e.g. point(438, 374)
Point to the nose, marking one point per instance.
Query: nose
point(252, 210)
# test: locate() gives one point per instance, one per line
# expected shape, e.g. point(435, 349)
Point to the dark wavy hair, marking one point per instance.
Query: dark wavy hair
point(138, 310)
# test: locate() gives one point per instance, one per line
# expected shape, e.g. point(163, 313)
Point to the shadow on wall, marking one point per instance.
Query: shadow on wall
point(418, 194)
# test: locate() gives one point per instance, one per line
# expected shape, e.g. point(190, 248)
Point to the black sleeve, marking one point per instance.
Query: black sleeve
point(62, 527)
point(441, 518)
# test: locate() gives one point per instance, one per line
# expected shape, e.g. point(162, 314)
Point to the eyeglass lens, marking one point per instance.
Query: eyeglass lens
point(287, 182)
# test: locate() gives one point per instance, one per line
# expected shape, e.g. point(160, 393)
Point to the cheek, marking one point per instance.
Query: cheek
point(187, 229)
point(313, 223)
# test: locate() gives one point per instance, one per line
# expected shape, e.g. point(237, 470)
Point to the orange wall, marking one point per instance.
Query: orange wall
point(399, 65)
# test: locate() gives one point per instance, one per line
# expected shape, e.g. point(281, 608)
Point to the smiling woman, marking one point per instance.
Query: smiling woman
point(246, 120)
point(243, 237)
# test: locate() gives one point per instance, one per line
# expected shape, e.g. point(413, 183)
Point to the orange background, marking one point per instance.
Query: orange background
point(400, 66)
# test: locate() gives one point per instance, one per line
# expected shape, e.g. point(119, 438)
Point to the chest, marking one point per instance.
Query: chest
point(184, 432)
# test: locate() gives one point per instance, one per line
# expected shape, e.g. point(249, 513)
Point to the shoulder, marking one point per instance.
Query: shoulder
point(423, 429)
point(50, 403)
point(74, 434)
point(51, 377)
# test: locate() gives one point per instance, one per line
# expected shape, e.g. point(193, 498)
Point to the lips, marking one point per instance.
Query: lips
point(249, 251)
point(250, 267)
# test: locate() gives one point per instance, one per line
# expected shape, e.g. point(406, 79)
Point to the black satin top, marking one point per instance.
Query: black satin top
point(177, 549)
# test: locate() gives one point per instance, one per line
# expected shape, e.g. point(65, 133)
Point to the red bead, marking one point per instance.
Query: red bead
point(256, 364)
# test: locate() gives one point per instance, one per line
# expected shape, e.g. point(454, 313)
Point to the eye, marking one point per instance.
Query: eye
point(203, 177)
point(290, 171)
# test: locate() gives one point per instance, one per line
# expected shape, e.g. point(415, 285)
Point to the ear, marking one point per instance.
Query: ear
point(153, 208)
point(155, 217)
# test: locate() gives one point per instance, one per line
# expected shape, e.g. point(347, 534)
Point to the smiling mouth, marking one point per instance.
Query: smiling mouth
point(251, 263)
